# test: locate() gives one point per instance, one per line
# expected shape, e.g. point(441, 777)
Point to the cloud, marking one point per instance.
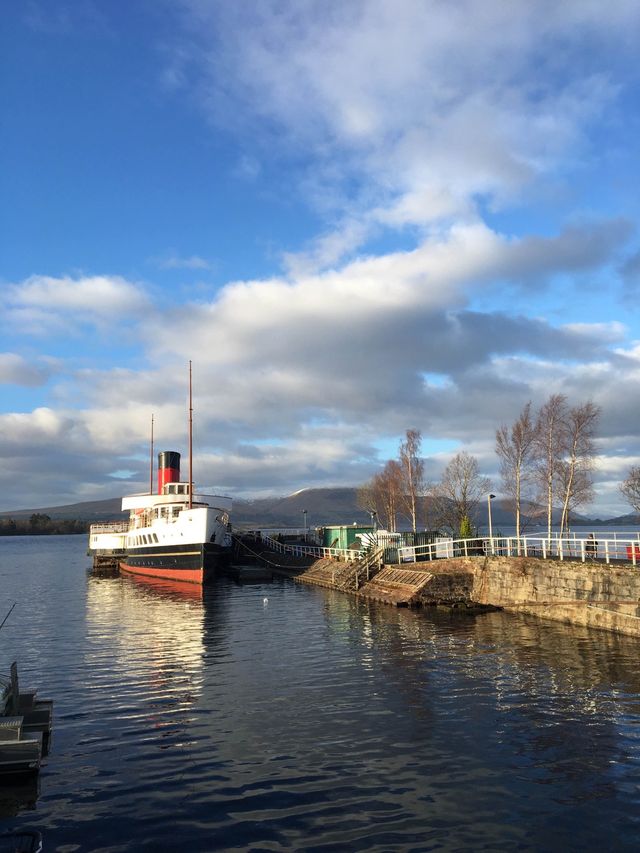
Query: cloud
point(352, 346)
point(174, 262)
point(44, 305)
point(248, 167)
point(576, 249)
point(404, 300)
point(16, 370)
point(411, 129)
point(409, 113)
point(630, 274)
point(311, 402)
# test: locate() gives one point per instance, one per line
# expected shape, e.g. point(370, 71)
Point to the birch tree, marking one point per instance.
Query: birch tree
point(550, 445)
point(390, 486)
point(412, 468)
point(575, 470)
point(515, 448)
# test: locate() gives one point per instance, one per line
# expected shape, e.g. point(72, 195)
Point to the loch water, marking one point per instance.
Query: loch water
point(278, 716)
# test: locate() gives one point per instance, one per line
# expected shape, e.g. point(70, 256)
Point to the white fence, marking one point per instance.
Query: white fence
point(607, 547)
point(318, 551)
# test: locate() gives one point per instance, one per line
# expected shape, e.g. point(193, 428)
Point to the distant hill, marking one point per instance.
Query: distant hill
point(106, 510)
point(323, 506)
point(630, 519)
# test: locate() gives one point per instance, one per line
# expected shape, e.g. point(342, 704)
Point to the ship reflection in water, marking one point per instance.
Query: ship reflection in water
point(175, 590)
point(155, 630)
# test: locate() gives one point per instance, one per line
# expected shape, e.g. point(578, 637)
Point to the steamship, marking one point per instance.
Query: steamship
point(173, 534)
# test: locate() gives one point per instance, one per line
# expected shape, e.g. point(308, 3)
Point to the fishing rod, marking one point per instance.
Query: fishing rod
point(8, 614)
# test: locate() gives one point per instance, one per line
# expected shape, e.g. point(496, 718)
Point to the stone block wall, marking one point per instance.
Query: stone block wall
point(590, 594)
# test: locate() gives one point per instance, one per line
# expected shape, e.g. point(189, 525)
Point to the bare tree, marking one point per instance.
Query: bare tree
point(367, 497)
point(382, 495)
point(630, 488)
point(460, 491)
point(550, 447)
point(575, 471)
point(412, 467)
point(515, 447)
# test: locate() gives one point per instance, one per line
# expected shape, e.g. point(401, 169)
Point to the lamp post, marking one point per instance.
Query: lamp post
point(304, 515)
point(489, 499)
point(374, 519)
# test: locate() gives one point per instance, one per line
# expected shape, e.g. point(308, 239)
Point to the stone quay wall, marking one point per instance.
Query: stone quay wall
point(592, 594)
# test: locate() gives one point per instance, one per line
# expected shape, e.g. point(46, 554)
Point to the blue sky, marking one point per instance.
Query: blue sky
point(353, 218)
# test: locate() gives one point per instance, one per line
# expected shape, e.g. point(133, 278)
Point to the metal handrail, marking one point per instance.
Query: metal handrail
point(346, 554)
point(615, 549)
point(109, 527)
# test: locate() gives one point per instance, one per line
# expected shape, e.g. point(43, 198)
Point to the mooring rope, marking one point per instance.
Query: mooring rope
point(261, 557)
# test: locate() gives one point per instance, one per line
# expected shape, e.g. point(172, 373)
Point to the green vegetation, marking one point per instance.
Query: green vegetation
point(39, 524)
point(466, 531)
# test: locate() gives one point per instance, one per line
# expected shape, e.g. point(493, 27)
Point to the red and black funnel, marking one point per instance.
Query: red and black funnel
point(168, 468)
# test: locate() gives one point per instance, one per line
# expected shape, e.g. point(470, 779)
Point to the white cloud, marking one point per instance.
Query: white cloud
point(43, 426)
point(422, 110)
point(44, 305)
point(173, 261)
point(606, 333)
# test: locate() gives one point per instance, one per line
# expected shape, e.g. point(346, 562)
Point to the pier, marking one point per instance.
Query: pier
point(563, 579)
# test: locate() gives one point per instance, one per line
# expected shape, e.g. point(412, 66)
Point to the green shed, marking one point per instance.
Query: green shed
point(343, 535)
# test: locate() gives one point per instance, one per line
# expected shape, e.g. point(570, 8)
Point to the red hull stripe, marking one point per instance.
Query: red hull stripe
point(188, 575)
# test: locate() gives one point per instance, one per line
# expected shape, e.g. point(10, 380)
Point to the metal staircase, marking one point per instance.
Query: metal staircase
point(351, 576)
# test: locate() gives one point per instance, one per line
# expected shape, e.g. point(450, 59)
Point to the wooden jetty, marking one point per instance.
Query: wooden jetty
point(25, 727)
point(390, 585)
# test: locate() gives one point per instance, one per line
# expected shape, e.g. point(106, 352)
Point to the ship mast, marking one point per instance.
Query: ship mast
point(151, 460)
point(190, 440)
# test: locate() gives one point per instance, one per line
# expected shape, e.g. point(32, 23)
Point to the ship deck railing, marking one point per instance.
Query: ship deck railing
point(109, 527)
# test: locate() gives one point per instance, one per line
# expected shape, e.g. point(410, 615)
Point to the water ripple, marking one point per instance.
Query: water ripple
point(209, 721)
